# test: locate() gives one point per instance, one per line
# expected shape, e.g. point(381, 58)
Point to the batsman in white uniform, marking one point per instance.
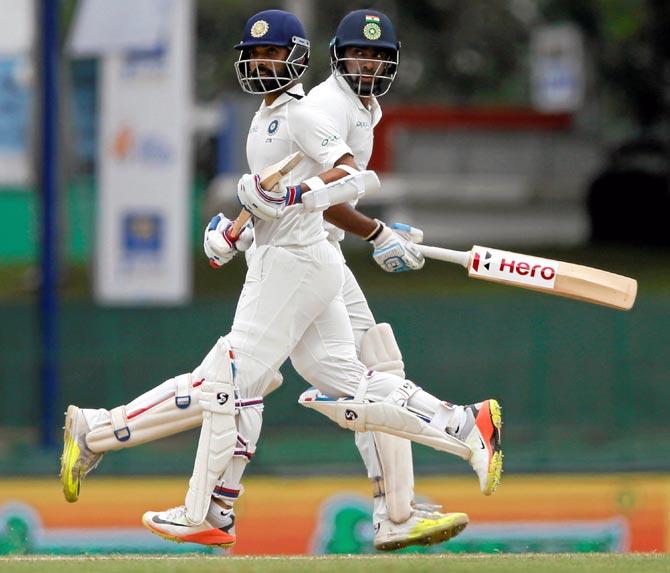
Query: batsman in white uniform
point(364, 66)
point(291, 304)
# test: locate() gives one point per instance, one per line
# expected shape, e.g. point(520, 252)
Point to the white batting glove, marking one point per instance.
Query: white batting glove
point(266, 205)
point(413, 234)
point(219, 246)
point(394, 253)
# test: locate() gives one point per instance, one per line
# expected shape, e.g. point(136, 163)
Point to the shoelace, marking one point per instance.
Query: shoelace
point(175, 513)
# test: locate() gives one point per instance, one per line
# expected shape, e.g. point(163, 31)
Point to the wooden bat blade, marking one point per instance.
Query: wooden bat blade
point(545, 275)
point(270, 176)
point(596, 286)
point(553, 277)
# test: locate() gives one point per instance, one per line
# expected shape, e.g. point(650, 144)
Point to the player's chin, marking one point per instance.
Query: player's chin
point(365, 89)
point(265, 84)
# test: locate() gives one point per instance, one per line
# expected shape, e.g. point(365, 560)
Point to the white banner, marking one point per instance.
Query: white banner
point(557, 68)
point(17, 27)
point(104, 27)
point(143, 248)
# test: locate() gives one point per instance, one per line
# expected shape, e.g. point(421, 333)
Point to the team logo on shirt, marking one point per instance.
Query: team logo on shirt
point(273, 127)
point(260, 28)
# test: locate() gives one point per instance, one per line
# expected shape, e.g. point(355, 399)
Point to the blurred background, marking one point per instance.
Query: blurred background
point(541, 126)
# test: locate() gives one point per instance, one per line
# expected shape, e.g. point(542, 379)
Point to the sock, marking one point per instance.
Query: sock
point(218, 516)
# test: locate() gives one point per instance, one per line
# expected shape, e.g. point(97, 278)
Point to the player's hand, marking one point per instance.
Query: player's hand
point(394, 253)
point(264, 204)
point(219, 245)
point(412, 234)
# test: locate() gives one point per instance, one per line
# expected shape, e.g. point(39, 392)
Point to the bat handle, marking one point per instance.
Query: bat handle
point(239, 223)
point(459, 257)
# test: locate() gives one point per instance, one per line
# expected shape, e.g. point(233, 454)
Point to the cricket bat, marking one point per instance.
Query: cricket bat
point(270, 176)
point(545, 275)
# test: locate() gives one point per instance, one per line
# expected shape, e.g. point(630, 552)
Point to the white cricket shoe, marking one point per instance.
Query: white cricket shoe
point(482, 431)
point(422, 528)
point(173, 525)
point(77, 460)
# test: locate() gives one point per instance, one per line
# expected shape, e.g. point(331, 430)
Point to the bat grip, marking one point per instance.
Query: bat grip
point(239, 223)
point(459, 257)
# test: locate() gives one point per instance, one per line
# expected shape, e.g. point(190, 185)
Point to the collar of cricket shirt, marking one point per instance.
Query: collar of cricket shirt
point(374, 110)
point(295, 92)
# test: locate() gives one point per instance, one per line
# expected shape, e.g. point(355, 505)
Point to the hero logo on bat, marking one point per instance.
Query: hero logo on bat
point(514, 267)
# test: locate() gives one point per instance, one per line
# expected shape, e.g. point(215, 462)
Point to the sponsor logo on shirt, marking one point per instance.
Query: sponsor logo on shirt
point(330, 139)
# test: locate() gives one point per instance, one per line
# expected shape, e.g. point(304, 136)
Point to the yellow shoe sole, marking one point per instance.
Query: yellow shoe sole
point(71, 453)
point(496, 465)
point(430, 532)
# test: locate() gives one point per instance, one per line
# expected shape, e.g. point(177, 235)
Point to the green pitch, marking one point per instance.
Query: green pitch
point(629, 563)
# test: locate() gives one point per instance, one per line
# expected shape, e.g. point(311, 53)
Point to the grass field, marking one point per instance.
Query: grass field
point(561, 563)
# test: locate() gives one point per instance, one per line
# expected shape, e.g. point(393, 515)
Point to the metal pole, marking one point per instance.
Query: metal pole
point(48, 28)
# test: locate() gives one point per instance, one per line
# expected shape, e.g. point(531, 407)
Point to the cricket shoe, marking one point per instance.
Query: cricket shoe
point(422, 528)
point(482, 431)
point(173, 525)
point(77, 460)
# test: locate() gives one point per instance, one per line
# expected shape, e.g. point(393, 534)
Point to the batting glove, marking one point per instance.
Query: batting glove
point(220, 247)
point(266, 205)
point(393, 252)
point(412, 234)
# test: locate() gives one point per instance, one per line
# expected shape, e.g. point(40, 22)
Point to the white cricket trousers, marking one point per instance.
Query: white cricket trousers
point(292, 304)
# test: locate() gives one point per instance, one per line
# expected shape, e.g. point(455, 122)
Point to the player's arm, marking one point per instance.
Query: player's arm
point(335, 173)
point(394, 250)
point(317, 137)
point(343, 215)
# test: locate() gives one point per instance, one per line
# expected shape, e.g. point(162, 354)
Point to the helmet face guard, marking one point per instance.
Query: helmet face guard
point(283, 73)
point(379, 81)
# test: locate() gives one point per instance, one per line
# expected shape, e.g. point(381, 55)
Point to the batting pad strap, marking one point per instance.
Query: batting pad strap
point(182, 394)
point(256, 402)
point(442, 416)
point(362, 389)
point(119, 420)
point(378, 487)
point(403, 393)
point(244, 448)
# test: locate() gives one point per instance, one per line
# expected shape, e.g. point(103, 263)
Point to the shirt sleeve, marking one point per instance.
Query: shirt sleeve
point(317, 134)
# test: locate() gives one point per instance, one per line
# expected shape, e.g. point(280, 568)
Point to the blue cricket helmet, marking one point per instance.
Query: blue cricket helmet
point(272, 28)
point(365, 28)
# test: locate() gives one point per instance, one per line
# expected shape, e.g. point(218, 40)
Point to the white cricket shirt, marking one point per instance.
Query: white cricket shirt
point(277, 130)
point(354, 122)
